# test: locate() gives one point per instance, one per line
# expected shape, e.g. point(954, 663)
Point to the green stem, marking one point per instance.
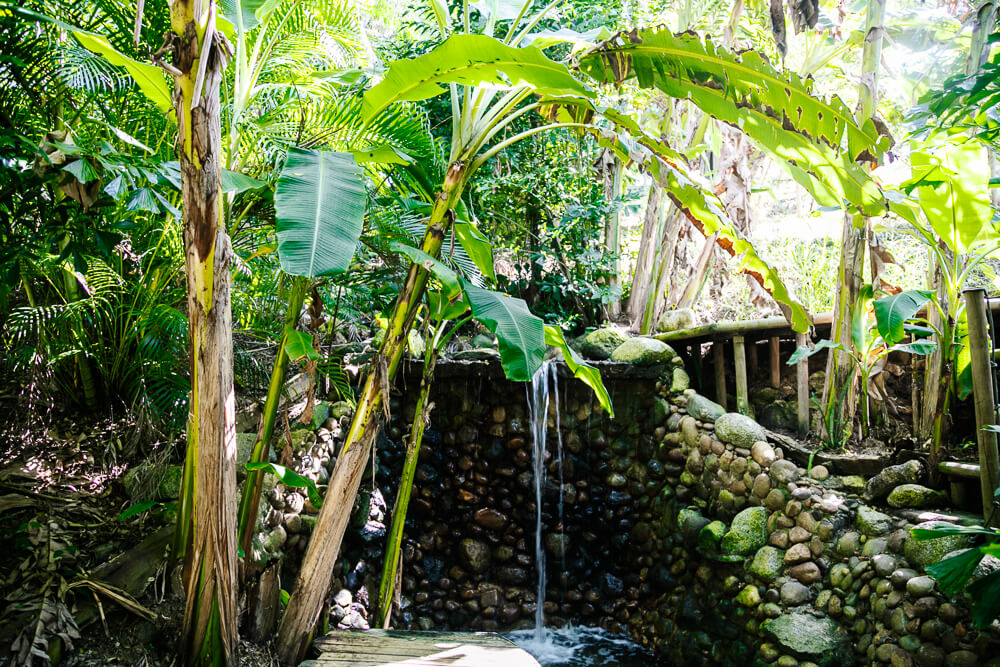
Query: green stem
point(250, 501)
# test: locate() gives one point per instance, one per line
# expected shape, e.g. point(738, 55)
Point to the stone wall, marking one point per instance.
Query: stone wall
point(674, 523)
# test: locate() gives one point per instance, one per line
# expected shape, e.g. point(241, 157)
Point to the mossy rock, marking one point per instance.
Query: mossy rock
point(819, 640)
point(704, 409)
point(169, 487)
point(914, 496)
point(739, 430)
point(600, 343)
point(643, 352)
point(767, 563)
point(927, 552)
point(680, 381)
point(710, 536)
point(675, 320)
point(747, 533)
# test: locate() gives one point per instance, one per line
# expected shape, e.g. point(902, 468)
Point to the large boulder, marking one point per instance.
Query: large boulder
point(674, 320)
point(881, 484)
point(643, 352)
point(819, 640)
point(922, 553)
point(914, 496)
point(600, 343)
point(738, 430)
point(704, 409)
point(747, 533)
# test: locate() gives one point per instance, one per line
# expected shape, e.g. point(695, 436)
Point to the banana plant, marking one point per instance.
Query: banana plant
point(491, 83)
point(319, 203)
point(880, 327)
point(948, 210)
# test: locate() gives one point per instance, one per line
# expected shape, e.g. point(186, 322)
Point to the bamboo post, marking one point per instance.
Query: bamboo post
point(719, 362)
point(985, 402)
point(775, 348)
point(802, 387)
point(752, 363)
point(742, 393)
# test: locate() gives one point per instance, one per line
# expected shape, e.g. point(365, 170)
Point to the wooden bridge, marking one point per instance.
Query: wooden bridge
point(397, 648)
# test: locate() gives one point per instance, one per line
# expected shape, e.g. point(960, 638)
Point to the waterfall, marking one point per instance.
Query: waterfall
point(538, 410)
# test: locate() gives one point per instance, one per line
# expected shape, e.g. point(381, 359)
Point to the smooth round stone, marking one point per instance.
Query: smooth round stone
point(807, 573)
point(901, 576)
point(802, 493)
point(920, 586)
point(884, 564)
point(819, 473)
point(763, 453)
point(794, 593)
point(797, 554)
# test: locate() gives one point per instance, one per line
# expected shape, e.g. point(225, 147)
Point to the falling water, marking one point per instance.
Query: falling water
point(538, 410)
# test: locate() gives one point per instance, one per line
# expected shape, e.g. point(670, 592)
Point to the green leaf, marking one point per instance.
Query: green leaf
point(580, 368)
point(148, 77)
point(470, 60)
point(920, 347)
point(448, 278)
point(234, 181)
point(951, 180)
point(859, 327)
point(476, 246)
point(299, 345)
point(142, 199)
point(319, 203)
point(892, 312)
point(129, 139)
point(520, 334)
point(963, 358)
point(943, 529)
point(804, 351)
point(138, 508)
point(953, 573)
point(244, 12)
point(82, 170)
point(776, 110)
point(985, 594)
point(443, 308)
point(289, 478)
point(385, 154)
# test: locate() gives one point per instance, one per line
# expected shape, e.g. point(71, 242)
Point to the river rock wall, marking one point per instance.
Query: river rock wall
point(676, 523)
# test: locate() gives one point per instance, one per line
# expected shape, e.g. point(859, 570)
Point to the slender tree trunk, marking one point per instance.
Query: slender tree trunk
point(306, 602)
point(643, 274)
point(210, 612)
point(839, 368)
point(250, 500)
point(612, 230)
point(694, 286)
point(663, 269)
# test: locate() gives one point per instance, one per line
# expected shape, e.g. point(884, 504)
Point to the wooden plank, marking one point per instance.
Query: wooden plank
point(774, 346)
point(394, 648)
point(802, 388)
point(954, 469)
point(742, 391)
point(772, 325)
point(983, 398)
point(719, 362)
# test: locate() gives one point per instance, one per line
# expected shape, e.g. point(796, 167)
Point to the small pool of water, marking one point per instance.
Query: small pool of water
point(582, 647)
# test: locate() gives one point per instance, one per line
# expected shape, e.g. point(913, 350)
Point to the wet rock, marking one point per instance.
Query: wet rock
point(749, 596)
point(643, 352)
point(600, 343)
point(797, 554)
point(872, 522)
point(914, 496)
point(820, 640)
point(927, 552)
point(738, 430)
point(474, 555)
point(767, 563)
point(704, 409)
point(711, 535)
point(490, 519)
point(884, 564)
point(806, 573)
point(881, 484)
point(557, 544)
point(819, 473)
point(794, 593)
point(920, 586)
point(747, 533)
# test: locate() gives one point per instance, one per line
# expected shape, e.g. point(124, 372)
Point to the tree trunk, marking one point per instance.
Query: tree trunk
point(210, 612)
point(643, 274)
point(612, 231)
point(306, 602)
point(663, 268)
point(839, 367)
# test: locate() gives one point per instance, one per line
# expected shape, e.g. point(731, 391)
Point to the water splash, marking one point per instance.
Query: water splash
point(582, 647)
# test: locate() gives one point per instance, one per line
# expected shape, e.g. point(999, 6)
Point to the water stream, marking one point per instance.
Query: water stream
point(569, 646)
